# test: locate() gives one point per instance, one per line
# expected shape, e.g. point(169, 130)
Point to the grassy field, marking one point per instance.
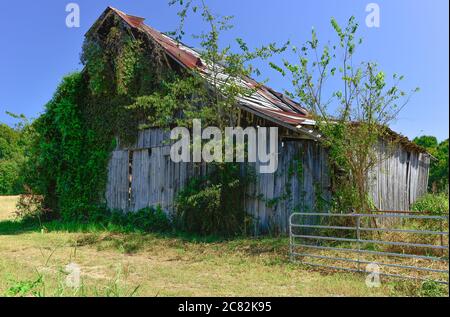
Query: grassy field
point(32, 262)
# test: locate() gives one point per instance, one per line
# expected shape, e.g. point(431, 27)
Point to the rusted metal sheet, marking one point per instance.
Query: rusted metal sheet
point(264, 99)
point(181, 53)
point(133, 21)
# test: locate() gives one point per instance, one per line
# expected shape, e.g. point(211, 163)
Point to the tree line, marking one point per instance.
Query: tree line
point(438, 181)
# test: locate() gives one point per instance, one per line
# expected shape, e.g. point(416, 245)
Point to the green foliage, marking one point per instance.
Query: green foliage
point(10, 181)
point(26, 288)
point(9, 138)
point(120, 66)
point(14, 144)
point(40, 286)
point(146, 220)
point(438, 181)
point(119, 62)
point(77, 132)
point(151, 219)
point(225, 67)
point(433, 289)
point(213, 205)
point(428, 142)
point(351, 119)
point(434, 203)
point(69, 159)
point(176, 103)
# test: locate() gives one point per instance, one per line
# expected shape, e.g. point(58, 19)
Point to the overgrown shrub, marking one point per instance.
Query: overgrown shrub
point(213, 205)
point(436, 204)
point(147, 219)
point(31, 206)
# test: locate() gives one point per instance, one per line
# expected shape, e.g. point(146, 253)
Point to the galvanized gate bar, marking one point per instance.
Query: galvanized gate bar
point(402, 255)
point(380, 273)
point(359, 251)
point(371, 229)
point(368, 215)
point(406, 244)
point(405, 231)
point(373, 262)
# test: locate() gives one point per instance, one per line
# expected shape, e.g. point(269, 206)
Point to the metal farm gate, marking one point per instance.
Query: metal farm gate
point(401, 244)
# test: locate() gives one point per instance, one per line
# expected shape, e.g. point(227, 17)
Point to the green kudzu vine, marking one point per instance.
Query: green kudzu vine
point(78, 131)
point(68, 159)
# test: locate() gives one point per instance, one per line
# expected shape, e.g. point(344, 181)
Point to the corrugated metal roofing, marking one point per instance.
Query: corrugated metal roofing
point(263, 100)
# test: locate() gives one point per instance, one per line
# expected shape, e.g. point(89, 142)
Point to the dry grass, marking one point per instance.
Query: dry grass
point(387, 264)
point(7, 207)
point(171, 267)
point(168, 266)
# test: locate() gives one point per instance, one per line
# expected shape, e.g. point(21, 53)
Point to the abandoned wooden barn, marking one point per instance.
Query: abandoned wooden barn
point(144, 175)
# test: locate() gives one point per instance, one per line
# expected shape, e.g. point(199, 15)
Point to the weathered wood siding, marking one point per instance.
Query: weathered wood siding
point(400, 178)
point(154, 178)
point(117, 186)
point(300, 183)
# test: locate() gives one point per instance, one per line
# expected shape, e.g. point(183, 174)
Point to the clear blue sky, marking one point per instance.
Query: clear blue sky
point(37, 49)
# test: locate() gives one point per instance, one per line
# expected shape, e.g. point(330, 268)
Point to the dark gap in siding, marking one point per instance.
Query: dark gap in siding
point(130, 175)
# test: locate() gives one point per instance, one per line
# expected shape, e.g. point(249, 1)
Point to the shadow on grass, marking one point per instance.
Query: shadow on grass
point(13, 227)
point(129, 240)
point(245, 244)
point(16, 227)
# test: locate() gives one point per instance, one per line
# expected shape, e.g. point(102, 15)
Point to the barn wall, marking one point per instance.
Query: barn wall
point(117, 185)
point(145, 175)
point(400, 178)
point(273, 197)
point(155, 180)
